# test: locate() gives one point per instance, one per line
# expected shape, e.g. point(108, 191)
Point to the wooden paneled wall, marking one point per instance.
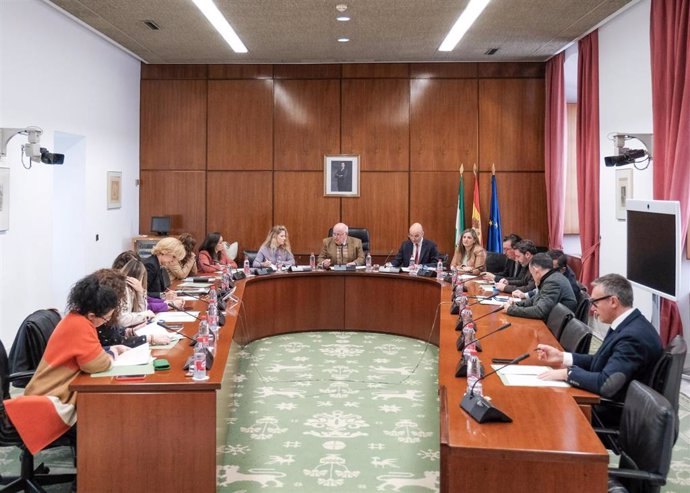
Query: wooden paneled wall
point(238, 148)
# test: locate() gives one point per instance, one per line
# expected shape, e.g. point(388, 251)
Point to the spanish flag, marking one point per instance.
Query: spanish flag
point(476, 215)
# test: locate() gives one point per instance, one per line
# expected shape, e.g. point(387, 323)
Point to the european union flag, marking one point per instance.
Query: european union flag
point(495, 241)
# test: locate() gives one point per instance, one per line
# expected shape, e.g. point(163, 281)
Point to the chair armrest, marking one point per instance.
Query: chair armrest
point(606, 431)
point(20, 375)
point(655, 479)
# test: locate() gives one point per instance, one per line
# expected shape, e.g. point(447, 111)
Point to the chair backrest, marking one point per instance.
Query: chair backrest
point(250, 255)
point(360, 233)
point(31, 340)
point(646, 436)
point(4, 373)
point(495, 262)
point(231, 250)
point(582, 309)
point(576, 337)
point(668, 373)
point(558, 317)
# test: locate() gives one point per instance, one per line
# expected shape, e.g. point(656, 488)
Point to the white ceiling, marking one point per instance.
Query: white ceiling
point(306, 31)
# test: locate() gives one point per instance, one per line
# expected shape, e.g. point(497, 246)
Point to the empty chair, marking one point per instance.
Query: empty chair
point(30, 342)
point(250, 255)
point(30, 478)
point(582, 310)
point(646, 442)
point(360, 233)
point(576, 337)
point(559, 316)
point(668, 373)
point(495, 262)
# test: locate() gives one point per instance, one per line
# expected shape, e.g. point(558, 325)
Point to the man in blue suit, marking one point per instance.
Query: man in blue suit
point(424, 251)
point(629, 351)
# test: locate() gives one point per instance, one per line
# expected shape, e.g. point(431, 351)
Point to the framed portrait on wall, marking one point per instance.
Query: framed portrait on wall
point(4, 199)
point(114, 189)
point(624, 183)
point(341, 176)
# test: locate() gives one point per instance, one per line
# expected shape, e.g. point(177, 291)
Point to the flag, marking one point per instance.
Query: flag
point(460, 212)
point(476, 215)
point(494, 242)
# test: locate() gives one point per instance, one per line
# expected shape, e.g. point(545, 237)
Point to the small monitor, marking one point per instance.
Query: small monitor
point(160, 225)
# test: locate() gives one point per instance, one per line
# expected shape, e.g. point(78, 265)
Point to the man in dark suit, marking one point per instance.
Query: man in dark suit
point(554, 288)
point(512, 267)
point(629, 352)
point(341, 249)
point(424, 251)
point(524, 251)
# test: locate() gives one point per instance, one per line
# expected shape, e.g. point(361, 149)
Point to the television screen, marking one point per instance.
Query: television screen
point(653, 246)
point(160, 225)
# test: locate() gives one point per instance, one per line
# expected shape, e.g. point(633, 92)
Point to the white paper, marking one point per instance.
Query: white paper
point(155, 330)
point(191, 279)
point(177, 317)
point(139, 355)
point(492, 301)
point(194, 285)
point(526, 376)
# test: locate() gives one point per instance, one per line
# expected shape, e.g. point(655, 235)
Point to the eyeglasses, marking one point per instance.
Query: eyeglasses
point(107, 318)
point(602, 298)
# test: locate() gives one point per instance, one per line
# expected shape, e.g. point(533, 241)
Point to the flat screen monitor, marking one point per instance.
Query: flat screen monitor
point(160, 225)
point(654, 251)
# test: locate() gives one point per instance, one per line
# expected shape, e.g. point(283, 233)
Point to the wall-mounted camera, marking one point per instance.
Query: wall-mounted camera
point(32, 149)
point(625, 156)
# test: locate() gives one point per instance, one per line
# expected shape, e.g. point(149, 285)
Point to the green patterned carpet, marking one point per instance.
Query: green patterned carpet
point(331, 411)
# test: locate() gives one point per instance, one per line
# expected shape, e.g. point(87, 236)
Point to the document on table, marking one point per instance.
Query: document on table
point(497, 301)
point(177, 317)
point(191, 279)
point(186, 285)
point(139, 355)
point(114, 371)
point(526, 376)
point(154, 329)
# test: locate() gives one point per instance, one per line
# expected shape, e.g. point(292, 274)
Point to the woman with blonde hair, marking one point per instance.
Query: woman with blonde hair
point(469, 256)
point(276, 249)
point(165, 252)
point(187, 266)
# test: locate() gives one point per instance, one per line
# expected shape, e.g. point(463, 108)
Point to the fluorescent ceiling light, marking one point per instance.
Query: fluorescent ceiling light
point(343, 40)
point(209, 9)
point(462, 25)
point(342, 18)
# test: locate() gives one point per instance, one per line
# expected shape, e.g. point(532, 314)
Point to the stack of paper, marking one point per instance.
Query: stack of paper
point(526, 376)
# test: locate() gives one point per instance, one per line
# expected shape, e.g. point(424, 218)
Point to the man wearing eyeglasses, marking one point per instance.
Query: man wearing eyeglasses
point(416, 246)
point(629, 351)
point(512, 267)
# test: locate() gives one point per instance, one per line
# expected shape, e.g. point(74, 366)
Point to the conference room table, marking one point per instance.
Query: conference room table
point(159, 434)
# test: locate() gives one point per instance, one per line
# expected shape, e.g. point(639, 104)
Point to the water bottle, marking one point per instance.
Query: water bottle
point(474, 374)
point(199, 364)
point(466, 315)
point(461, 301)
point(439, 270)
point(212, 317)
point(225, 279)
point(368, 262)
point(469, 336)
point(312, 261)
point(413, 267)
point(202, 335)
point(454, 275)
point(246, 267)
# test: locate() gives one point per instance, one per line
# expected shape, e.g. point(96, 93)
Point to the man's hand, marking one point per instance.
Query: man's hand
point(560, 374)
point(550, 355)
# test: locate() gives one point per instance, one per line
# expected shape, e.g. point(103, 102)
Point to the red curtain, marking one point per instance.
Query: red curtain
point(670, 46)
point(555, 149)
point(588, 160)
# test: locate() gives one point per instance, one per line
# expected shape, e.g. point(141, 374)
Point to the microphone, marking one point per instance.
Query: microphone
point(461, 367)
point(388, 256)
point(459, 324)
point(460, 343)
point(168, 328)
point(482, 410)
point(220, 302)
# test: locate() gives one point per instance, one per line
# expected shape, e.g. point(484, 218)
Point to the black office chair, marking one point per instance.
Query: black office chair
point(250, 255)
point(560, 315)
point(444, 258)
point(576, 337)
point(646, 439)
point(582, 309)
point(360, 233)
point(495, 262)
point(30, 479)
point(30, 343)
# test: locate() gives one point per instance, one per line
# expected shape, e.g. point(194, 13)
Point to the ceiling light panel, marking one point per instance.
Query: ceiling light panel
point(217, 20)
point(463, 24)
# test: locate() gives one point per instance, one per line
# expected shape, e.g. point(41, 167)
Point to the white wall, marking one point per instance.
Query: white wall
point(84, 93)
point(625, 92)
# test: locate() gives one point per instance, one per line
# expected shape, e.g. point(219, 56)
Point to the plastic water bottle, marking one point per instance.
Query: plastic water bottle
point(468, 336)
point(439, 270)
point(199, 364)
point(202, 335)
point(246, 267)
point(413, 267)
point(466, 315)
point(461, 300)
point(212, 317)
point(454, 275)
point(473, 375)
point(312, 261)
point(225, 279)
point(368, 262)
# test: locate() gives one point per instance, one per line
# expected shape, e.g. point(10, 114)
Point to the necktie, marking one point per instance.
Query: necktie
point(609, 333)
point(416, 254)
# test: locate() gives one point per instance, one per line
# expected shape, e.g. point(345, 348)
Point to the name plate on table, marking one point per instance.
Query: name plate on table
point(300, 268)
point(344, 267)
point(391, 270)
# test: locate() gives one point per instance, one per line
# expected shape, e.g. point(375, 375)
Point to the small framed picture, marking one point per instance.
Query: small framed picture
point(341, 176)
point(114, 189)
point(4, 199)
point(624, 183)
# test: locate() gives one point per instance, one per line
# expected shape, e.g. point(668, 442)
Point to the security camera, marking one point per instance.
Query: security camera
point(51, 157)
point(32, 149)
point(628, 156)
